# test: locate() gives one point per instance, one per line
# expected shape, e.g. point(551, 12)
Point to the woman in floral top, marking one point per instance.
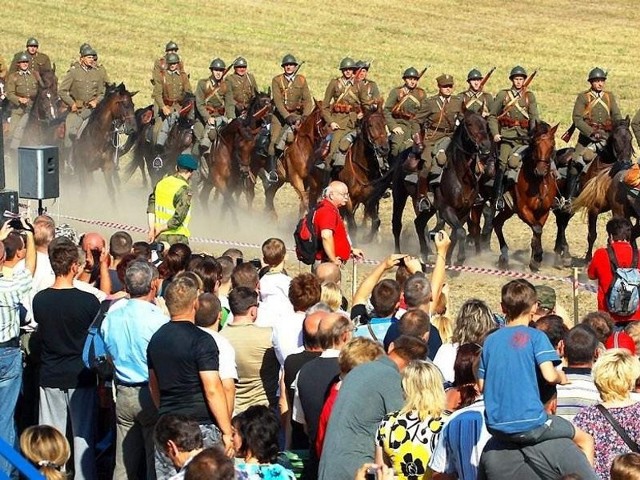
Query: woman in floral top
point(407, 437)
point(614, 374)
point(255, 438)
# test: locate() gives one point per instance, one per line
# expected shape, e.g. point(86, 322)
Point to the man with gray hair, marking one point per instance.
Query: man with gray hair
point(127, 331)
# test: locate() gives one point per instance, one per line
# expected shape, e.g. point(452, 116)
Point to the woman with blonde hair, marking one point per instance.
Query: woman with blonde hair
point(331, 294)
point(406, 438)
point(614, 373)
point(47, 449)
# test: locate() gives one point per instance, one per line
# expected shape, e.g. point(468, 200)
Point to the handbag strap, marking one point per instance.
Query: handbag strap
point(618, 428)
point(371, 332)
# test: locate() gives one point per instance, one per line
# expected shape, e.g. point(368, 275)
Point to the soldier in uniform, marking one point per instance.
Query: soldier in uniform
point(38, 60)
point(82, 88)
point(594, 113)
point(439, 116)
point(292, 100)
point(241, 88)
point(370, 91)
point(210, 105)
point(341, 109)
point(160, 65)
point(169, 206)
point(509, 117)
point(400, 112)
point(169, 92)
point(21, 91)
point(475, 99)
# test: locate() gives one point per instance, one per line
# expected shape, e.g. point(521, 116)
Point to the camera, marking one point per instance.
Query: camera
point(433, 235)
point(371, 473)
point(256, 263)
point(157, 247)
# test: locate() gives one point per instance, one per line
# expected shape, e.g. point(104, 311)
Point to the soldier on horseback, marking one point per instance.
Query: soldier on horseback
point(170, 91)
point(210, 94)
point(241, 88)
point(594, 114)
point(292, 100)
point(400, 112)
point(370, 91)
point(21, 91)
point(475, 98)
point(439, 117)
point(160, 65)
point(341, 109)
point(38, 61)
point(509, 117)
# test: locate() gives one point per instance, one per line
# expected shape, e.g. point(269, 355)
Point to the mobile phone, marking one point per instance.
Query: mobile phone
point(371, 473)
point(432, 235)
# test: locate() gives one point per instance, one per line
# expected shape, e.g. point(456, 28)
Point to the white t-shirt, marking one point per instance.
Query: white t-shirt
point(227, 368)
point(445, 359)
point(287, 334)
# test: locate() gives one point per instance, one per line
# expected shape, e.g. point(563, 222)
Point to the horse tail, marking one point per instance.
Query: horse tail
point(594, 194)
point(380, 186)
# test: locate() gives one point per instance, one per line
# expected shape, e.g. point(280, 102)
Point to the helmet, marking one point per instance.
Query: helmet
point(32, 42)
point(518, 71)
point(240, 62)
point(171, 46)
point(187, 161)
point(363, 65)
point(172, 58)
point(288, 60)
point(217, 64)
point(23, 57)
point(88, 51)
point(410, 73)
point(83, 46)
point(597, 74)
point(474, 75)
point(347, 63)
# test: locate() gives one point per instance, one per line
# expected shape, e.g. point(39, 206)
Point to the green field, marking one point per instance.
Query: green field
point(564, 39)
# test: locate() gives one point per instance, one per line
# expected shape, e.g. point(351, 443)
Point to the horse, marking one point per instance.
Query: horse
point(533, 193)
point(47, 115)
point(469, 155)
point(606, 190)
point(231, 161)
point(97, 146)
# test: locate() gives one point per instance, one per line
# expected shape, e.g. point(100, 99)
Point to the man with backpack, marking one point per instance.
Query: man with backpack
point(616, 269)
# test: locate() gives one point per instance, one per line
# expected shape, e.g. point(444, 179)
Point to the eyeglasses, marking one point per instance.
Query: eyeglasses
point(344, 194)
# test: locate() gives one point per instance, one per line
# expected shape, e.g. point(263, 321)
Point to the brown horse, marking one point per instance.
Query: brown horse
point(97, 146)
point(606, 190)
point(532, 194)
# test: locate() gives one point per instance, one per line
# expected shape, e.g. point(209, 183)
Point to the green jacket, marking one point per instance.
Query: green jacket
point(81, 85)
point(210, 98)
point(402, 105)
point(159, 66)
point(477, 102)
point(342, 101)
point(240, 92)
point(518, 113)
point(369, 91)
point(21, 84)
point(592, 112)
point(291, 97)
point(439, 116)
point(181, 202)
point(171, 88)
point(39, 62)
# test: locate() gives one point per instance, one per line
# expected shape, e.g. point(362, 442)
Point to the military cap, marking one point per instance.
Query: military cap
point(546, 297)
point(474, 75)
point(597, 74)
point(171, 46)
point(88, 51)
point(32, 42)
point(518, 71)
point(444, 80)
point(188, 161)
point(410, 73)
point(240, 62)
point(217, 64)
point(23, 57)
point(346, 63)
point(172, 58)
point(288, 60)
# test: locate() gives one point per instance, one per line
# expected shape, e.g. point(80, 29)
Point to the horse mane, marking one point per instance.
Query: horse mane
point(594, 194)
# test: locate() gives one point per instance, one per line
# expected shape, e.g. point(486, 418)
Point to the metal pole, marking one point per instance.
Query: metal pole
point(574, 291)
point(2, 174)
point(354, 278)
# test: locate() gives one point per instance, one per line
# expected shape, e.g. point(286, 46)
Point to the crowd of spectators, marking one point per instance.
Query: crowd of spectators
point(224, 368)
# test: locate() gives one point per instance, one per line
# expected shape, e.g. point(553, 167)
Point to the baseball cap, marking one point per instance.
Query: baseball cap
point(546, 297)
point(621, 340)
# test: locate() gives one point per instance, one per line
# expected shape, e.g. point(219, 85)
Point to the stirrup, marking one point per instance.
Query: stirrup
point(272, 176)
point(425, 203)
point(322, 166)
point(500, 204)
point(157, 162)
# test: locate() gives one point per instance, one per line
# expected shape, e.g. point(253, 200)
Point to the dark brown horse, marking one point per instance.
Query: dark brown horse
point(533, 193)
point(97, 147)
point(606, 190)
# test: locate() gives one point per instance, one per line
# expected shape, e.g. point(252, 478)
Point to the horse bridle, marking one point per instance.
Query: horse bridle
point(477, 153)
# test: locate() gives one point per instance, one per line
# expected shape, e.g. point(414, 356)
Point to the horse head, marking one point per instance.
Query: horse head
point(620, 142)
point(543, 147)
point(120, 103)
point(475, 140)
point(375, 132)
point(47, 102)
point(258, 110)
point(181, 134)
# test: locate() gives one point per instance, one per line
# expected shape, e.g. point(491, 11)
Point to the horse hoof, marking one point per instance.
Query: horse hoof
point(503, 263)
point(534, 265)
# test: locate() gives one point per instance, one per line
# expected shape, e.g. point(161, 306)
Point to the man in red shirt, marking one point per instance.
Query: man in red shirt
point(619, 231)
point(329, 225)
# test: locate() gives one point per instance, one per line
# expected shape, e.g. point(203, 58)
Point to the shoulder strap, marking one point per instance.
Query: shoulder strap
point(612, 258)
point(618, 428)
point(373, 335)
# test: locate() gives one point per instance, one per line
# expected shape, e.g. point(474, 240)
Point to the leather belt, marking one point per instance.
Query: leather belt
point(13, 343)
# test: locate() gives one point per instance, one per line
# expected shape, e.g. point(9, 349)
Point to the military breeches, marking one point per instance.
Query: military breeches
point(399, 143)
point(342, 140)
point(434, 150)
point(165, 127)
point(276, 132)
point(17, 125)
point(73, 123)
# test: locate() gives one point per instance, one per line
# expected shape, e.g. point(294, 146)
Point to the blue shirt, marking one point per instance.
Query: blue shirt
point(510, 357)
point(126, 332)
point(379, 327)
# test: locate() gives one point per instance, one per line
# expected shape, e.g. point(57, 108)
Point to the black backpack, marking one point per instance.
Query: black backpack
point(306, 238)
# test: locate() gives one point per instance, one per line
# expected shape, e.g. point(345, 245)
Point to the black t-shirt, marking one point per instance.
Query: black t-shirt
point(177, 353)
point(116, 284)
point(64, 316)
point(433, 343)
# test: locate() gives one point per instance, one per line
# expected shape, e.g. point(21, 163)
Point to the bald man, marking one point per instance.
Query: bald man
point(329, 272)
point(96, 268)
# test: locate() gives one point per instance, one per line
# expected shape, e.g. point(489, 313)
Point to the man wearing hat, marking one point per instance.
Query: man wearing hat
point(594, 113)
point(546, 301)
point(292, 100)
point(439, 117)
point(341, 109)
point(475, 98)
point(400, 111)
point(37, 61)
point(169, 207)
point(161, 63)
point(241, 88)
point(509, 117)
point(21, 90)
point(82, 88)
point(169, 95)
point(210, 105)
point(370, 91)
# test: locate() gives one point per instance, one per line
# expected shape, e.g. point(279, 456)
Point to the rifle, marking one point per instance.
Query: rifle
point(397, 106)
point(295, 72)
point(485, 79)
point(518, 94)
point(566, 136)
point(424, 70)
point(226, 70)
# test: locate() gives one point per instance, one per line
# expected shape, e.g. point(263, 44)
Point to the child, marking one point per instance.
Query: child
point(274, 284)
point(507, 374)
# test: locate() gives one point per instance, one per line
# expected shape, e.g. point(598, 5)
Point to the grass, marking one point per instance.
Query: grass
point(564, 39)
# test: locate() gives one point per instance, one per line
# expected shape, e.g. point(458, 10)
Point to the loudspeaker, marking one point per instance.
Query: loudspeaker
point(8, 203)
point(39, 176)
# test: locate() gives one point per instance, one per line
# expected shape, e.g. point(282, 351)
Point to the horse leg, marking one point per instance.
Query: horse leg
point(420, 223)
point(561, 247)
point(372, 213)
point(536, 248)
point(474, 228)
point(498, 223)
point(399, 202)
point(459, 235)
point(591, 236)
point(269, 199)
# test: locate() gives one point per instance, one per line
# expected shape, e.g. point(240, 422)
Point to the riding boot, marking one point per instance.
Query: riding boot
point(570, 189)
point(272, 175)
point(498, 190)
point(423, 201)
